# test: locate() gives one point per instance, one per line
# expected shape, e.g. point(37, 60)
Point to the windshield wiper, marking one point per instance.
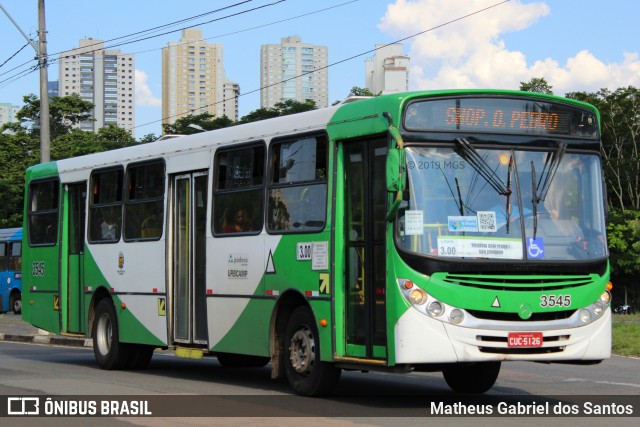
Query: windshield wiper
point(508, 205)
point(476, 161)
point(541, 188)
point(534, 199)
point(549, 170)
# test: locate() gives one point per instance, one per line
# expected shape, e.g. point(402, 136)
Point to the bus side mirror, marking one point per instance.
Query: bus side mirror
point(395, 170)
point(396, 177)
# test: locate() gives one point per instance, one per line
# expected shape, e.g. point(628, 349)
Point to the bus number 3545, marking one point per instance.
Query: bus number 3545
point(555, 300)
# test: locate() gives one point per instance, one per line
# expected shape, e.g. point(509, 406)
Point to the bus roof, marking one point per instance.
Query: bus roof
point(10, 234)
point(270, 128)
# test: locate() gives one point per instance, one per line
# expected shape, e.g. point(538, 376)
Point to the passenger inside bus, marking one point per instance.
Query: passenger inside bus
point(108, 227)
point(237, 223)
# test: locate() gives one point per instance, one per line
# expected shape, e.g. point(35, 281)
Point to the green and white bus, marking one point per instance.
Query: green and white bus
point(426, 231)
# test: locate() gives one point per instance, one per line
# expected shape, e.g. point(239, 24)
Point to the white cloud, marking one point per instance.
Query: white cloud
point(470, 52)
point(143, 92)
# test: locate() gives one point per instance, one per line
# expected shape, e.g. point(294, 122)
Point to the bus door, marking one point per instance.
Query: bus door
point(72, 298)
point(189, 226)
point(364, 235)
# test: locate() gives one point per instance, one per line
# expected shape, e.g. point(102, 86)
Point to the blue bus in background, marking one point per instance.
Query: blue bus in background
point(10, 273)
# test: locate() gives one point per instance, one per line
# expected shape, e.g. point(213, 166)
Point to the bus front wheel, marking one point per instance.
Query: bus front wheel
point(306, 373)
point(110, 353)
point(473, 378)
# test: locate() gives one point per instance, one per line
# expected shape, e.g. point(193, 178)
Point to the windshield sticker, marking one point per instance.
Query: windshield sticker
point(487, 222)
point(413, 223)
point(463, 223)
point(460, 246)
point(535, 248)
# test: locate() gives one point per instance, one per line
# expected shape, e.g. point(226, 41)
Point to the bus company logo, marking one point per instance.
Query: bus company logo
point(23, 406)
point(525, 311)
point(121, 263)
point(238, 266)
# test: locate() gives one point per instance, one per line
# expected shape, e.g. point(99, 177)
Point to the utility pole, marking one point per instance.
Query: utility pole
point(41, 52)
point(45, 135)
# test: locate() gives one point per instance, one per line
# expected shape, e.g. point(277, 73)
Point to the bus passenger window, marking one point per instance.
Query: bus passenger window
point(297, 199)
point(144, 204)
point(42, 213)
point(238, 190)
point(105, 206)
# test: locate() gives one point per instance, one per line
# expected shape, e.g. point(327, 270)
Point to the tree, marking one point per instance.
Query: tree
point(620, 123)
point(78, 142)
point(259, 114)
point(204, 120)
point(537, 84)
point(18, 152)
point(150, 137)
point(360, 91)
point(64, 112)
point(282, 108)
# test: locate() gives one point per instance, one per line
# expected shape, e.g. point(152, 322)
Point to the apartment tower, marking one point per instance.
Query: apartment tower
point(293, 70)
point(193, 79)
point(388, 70)
point(104, 77)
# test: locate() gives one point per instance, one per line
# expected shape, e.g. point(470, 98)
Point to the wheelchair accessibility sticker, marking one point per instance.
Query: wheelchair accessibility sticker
point(535, 248)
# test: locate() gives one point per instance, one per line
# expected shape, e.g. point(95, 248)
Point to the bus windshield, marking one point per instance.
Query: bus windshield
point(501, 203)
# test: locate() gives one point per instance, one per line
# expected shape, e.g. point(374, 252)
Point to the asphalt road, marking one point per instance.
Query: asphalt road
point(186, 388)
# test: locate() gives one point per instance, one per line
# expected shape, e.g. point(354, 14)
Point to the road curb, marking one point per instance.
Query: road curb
point(47, 339)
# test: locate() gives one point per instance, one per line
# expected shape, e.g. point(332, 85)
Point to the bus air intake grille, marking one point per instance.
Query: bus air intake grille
point(515, 283)
point(514, 317)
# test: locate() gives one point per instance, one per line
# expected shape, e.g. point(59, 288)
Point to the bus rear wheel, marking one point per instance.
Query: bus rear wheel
point(472, 378)
point(306, 373)
point(16, 302)
point(110, 353)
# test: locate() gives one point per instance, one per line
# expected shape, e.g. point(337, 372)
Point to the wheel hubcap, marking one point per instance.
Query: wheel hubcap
point(302, 351)
point(104, 334)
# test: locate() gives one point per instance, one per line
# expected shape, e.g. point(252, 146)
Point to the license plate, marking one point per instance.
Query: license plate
point(524, 339)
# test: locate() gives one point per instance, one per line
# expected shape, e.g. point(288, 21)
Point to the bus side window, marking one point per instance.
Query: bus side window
point(105, 206)
point(15, 255)
point(238, 190)
point(144, 204)
point(42, 212)
point(297, 199)
point(3, 257)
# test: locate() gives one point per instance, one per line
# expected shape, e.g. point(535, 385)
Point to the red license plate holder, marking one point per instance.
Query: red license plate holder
point(524, 339)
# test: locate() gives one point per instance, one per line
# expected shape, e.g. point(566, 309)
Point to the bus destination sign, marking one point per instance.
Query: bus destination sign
point(500, 115)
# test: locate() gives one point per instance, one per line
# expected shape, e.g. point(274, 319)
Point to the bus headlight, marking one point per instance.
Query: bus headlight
point(605, 297)
point(417, 296)
point(436, 309)
point(598, 308)
point(456, 316)
point(585, 315)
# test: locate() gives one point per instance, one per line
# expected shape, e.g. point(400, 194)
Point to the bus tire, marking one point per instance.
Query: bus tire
point(110, 353)
point(306, 374)
point(140, 356)
point(15, 301)
point(473, 378)
point(232, 360)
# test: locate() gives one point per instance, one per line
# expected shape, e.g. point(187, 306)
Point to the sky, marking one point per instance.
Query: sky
point(576, 45)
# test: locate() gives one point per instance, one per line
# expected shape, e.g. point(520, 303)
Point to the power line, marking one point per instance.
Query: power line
point(54, 60)
point(338, 62)
point(158, 28)
point(11, 57)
